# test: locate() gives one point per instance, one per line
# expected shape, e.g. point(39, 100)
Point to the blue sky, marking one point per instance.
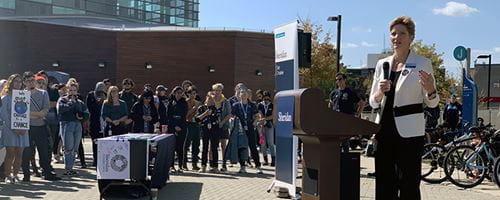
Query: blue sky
point(471, 23)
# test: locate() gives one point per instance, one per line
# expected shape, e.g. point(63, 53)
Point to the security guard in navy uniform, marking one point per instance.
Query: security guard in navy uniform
point(345, 100)
point(452, 113)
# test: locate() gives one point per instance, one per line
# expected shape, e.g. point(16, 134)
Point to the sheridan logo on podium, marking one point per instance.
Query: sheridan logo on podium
point(284, 117)
point(284, 141)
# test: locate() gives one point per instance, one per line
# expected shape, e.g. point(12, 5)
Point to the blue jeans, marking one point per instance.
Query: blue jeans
point(268, 142)
point(71, 134)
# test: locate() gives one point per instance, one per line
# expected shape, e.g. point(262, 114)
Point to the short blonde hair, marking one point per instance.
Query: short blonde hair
point(218, 86)
point(405, 21)
point(73, 82)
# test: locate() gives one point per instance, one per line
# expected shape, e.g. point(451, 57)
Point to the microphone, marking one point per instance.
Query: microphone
point(386, 70)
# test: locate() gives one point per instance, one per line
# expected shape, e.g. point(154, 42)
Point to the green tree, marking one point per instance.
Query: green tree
point(445, 83)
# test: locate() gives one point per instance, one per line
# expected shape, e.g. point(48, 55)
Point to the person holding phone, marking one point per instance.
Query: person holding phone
point(72, 111)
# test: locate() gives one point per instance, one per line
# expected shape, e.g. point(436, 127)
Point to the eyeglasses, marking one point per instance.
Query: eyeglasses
point(29, 79)
point(127, 83)
point(339, 79)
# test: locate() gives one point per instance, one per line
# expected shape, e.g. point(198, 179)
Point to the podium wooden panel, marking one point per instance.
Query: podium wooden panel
point(321, 130)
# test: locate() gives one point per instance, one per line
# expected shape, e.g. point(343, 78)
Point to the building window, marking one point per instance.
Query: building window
point(66, 11)
point(65, 3)
point(42, 1)
point(10, 4)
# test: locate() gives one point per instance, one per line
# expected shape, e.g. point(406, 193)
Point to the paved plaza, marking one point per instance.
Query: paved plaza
point(218, 186)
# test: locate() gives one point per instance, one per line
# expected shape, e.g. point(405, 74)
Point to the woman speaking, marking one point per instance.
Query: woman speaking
point(402, 83)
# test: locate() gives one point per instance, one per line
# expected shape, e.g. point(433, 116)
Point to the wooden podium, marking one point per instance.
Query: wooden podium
point(321, 130)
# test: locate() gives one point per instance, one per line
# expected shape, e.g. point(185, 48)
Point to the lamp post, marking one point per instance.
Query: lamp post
point(337, 18)
point(489, 78)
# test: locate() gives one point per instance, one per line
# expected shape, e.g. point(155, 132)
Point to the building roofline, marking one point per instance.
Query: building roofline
point(114, 24)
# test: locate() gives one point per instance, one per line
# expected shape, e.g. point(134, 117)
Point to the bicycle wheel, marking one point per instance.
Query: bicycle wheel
point(496, 172)
point(464, 167)
point(432, 163)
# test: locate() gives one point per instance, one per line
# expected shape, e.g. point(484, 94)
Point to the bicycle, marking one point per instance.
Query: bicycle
point(433, 158)
point(471, 162)
point(496, 166)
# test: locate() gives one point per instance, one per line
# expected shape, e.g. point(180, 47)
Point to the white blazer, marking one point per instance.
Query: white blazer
point(408, 92)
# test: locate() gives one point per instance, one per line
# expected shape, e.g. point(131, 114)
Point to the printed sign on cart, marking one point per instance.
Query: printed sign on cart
point(20, 118)
point(113, 159)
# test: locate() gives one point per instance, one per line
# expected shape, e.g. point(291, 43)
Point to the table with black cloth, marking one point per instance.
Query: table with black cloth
point(134, 159)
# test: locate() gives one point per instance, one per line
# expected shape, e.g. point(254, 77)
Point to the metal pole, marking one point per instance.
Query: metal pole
point(338, 42)
point(489, 78)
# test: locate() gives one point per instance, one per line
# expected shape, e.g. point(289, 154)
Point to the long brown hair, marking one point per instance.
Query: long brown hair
point(109, 98)
point(7, 88)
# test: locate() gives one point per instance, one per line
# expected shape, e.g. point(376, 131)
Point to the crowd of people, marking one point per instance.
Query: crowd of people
point(225, 129)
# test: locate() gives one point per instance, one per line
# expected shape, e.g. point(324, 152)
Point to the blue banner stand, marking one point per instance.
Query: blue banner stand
point(287, 78)
point(469, 101)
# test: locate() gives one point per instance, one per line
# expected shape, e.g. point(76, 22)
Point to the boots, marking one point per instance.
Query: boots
point(273, 161)
point(195, 167)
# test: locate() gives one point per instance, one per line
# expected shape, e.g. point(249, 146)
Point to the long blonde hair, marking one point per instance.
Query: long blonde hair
point(109, 98)
point(7, 87)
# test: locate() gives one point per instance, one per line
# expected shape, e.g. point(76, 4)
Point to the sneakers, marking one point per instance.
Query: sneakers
point(70, 173)
point(10, 180)
point(213, 170)
point(51, 178)
point(259, 170)
point(223, 169)
point(195, 167)
point(16, 179)
point(242, 170)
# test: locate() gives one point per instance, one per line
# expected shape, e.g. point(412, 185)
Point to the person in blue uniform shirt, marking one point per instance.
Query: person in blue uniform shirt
point(345, 100)
point(452, 113)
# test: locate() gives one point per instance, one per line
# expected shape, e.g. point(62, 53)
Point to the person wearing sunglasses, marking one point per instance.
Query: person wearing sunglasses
point(127, 95)
point(345, 100)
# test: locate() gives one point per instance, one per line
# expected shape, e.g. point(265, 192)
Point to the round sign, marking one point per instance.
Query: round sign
point(20, 107)
point(460, 53)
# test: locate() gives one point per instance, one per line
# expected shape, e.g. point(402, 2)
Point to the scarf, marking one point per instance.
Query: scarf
point(218, 104)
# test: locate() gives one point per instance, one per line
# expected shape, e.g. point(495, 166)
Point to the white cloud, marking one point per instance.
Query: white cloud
point(480, 51)
point(455, 9)
point(359, 29)
point(496, 49)
point(366, 44)
point(351, 45)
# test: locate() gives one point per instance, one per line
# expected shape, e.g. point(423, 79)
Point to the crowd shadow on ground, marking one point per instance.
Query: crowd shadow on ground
point(37, 188)
point(226, 175)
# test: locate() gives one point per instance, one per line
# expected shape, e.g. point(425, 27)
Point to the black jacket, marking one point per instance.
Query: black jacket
point(68, 110)
point(176, 114)
point(136, 114)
